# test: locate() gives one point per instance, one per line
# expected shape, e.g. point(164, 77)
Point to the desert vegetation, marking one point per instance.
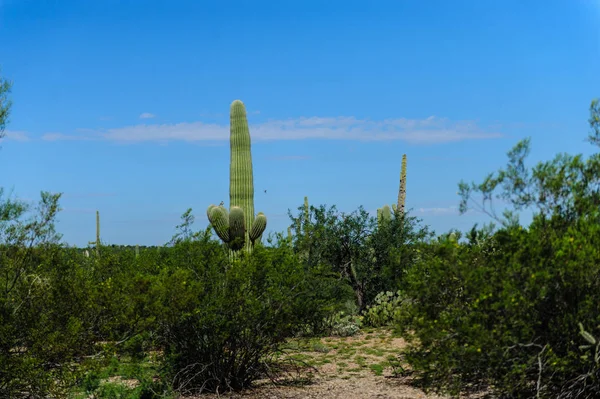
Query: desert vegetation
point(504, 310)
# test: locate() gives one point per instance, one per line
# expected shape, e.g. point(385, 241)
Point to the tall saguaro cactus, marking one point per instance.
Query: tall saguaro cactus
point(238, 228)
point(402, 190)
point(97, 242)
point(306, 214)
point(384, 213)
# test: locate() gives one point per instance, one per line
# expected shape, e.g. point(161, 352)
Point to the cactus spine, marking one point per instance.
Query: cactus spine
point(97, 242)
point(238, 228)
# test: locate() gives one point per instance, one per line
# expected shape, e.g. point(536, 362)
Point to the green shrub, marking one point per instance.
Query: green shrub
point(367, 257)
point(516, 312)
point(233, 318)
point(508, 319)
point(45, 323)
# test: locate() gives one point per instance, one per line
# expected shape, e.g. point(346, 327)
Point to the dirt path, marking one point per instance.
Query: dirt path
point(353, 367)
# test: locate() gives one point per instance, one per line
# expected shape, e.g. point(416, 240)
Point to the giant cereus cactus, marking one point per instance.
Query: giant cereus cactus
point(384, 214)
point(402, 191)
point(238, 228)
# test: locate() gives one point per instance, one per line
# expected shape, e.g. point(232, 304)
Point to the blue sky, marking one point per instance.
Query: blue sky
point(123, 105)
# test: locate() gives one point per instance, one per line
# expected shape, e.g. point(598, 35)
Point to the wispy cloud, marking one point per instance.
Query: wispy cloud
point(431, 130)
point(61, 137)
point(147, 115)
point(16, 135)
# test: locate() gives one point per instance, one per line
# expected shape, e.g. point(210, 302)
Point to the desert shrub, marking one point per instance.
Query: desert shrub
point(44, 319)
point(503, 312)
point(367, 257)
point(229, 318)
point(509, 320)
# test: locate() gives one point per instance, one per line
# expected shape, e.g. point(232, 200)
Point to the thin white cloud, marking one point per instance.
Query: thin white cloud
point(15, 135)
point(431, 130)
point(147, 115)
point(61, 137)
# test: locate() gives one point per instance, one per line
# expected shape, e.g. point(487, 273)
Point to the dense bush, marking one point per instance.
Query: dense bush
point(215, 320)
point(508, 319)
point(503, 311)
point(45, 324)
point(233, 317)
point(368, 257)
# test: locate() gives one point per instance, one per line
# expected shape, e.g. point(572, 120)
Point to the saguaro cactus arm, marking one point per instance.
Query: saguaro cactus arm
point(258, 227)
point(219, 219)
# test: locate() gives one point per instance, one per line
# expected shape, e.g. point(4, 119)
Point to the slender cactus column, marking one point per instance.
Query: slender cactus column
point(402, 190)
point(97, 242)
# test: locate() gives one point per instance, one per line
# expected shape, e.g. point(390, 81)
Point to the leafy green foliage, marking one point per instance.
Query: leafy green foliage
point(370, 259)
point(502, 312)
point(231, 318)
point(40, 334)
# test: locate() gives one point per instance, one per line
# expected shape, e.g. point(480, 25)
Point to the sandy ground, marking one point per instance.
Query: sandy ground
point(353, 367)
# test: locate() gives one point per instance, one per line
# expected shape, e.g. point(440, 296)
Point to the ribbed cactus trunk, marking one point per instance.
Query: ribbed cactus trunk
point(97, 242)
point(238, 228)
point(241, 183)
point(402, 190)
point(306, 216)
point(384, 214)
